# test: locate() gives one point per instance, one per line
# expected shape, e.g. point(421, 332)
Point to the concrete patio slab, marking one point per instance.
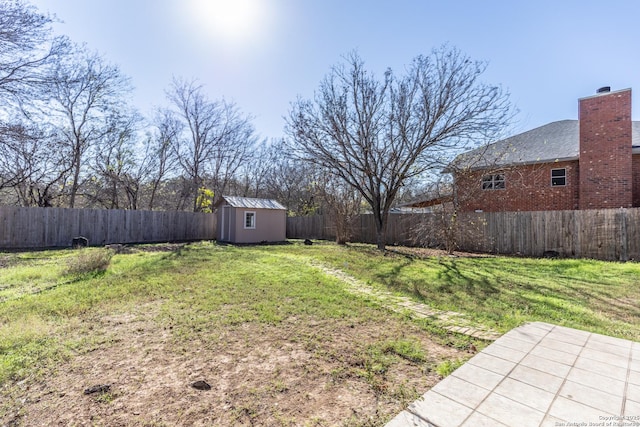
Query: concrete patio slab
point(537, 375)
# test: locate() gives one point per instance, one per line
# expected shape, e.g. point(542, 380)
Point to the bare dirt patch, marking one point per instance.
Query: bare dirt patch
point(158, 247)
point(434, 253)
point(298, 372)
point(5, 262)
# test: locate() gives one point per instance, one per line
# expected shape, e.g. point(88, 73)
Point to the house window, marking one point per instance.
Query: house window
point(249, 220)
point(493, 182)
point(558, 177)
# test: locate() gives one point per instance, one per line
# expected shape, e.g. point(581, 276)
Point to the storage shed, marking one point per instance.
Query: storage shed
point(249, 220)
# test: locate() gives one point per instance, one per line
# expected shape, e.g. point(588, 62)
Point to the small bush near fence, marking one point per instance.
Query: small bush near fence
point(89, 261)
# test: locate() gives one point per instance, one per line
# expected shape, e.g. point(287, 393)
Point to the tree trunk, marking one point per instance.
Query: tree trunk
point(451, 223)
point(154, 189)
point(341, 229)
point(75, 184)
point(380, 240)
point(381, 230)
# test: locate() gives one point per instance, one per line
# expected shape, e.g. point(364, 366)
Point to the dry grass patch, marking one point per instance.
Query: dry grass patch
point(300, 372)
point(279, 342)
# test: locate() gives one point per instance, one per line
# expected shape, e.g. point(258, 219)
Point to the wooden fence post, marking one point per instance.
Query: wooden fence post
point(622, 235)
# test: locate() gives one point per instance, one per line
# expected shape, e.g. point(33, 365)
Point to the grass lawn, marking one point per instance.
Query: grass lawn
point(505, 292)
point(279, 341)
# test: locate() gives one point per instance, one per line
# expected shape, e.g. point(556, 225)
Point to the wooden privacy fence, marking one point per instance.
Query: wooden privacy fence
point(608, 234)
point(56, 227)
point(402, 229)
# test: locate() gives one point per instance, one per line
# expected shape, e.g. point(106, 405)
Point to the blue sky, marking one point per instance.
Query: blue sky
point(262, 54)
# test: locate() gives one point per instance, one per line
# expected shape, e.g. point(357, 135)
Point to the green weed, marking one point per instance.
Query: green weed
point(444, 369)
point(407, 349)
point(105, 397)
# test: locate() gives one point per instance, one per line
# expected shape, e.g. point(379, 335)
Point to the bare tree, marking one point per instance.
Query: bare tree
point(117, 166)
point(27, 47)
point(340, 203)
point(376, 134)
point(161, 160)
point(85, 92)
point(27, 51)
point(216, 140)
point(290, 182)
point(201, 118)
point(18, 147)
point(255, 170)
point(232, 152)
point(30, 162)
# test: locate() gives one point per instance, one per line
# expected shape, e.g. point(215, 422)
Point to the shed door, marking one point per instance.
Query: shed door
point(225, 228)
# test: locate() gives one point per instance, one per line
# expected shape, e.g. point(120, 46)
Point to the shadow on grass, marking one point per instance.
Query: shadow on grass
point(451, 280)
point(454, 278)
point(507, 291)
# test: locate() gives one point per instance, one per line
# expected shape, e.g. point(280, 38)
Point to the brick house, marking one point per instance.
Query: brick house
point(590, 163)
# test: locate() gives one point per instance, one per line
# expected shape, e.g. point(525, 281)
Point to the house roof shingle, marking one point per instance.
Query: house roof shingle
point(556, 141)
point(252, 203)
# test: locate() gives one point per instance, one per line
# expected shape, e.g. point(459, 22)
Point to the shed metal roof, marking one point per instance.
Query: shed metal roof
point(556, 141)
point(252, 203)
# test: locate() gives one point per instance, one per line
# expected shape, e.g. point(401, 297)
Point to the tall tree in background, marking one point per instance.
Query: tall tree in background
point(42, 170)
point(27, 47)
point(377, 134)
point(85, 93)
point(290, 182)
point(201, 119)
point(216, 138)
point(232, 152)
point(26, 158)
point(27, 51)
point(340, 203)
point(69, 138)
point(255, 170)
point(159, 151)
point(117, 166)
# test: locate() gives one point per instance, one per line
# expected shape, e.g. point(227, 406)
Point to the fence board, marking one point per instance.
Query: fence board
point(608, 234)
point(22, 228)
point(633, 234)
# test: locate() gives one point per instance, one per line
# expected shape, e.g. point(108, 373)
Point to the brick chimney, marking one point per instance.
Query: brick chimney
point(605, 150)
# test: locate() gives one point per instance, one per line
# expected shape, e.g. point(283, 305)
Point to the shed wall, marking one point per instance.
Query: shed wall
point(271, 225)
